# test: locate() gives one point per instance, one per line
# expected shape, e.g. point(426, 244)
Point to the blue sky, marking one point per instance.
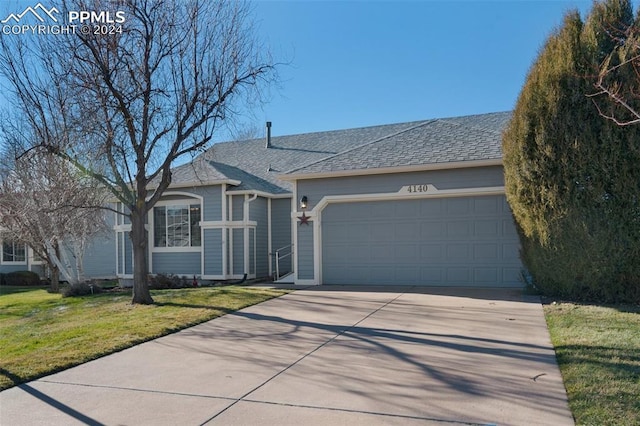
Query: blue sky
point(361, 63)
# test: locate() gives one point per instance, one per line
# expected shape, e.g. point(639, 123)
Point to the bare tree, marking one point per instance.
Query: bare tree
point(123, 106)
point(47, 206)
point(621, 93)
point(617, 49)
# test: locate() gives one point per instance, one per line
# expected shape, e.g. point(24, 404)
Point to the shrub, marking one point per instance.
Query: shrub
point(81, 289)
point(165, 281)
point(571, 176)
point(22, 278)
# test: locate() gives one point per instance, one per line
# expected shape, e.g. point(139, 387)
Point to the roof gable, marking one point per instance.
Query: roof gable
point(472, 138)
point(258, 168)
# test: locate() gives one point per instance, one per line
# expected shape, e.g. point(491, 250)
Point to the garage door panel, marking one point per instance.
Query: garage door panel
point(381, 275)
point(431, 229)
point(511, 252)
point(458, 207)
point(458, 252)
point(509, 229)
point(487, 229)
point(465, 241)
point(335, 257)
point(359, 253)
point(358, 232)
point(406, 231)
point(486, 252)
point(458, 229)
point(486, 206)
point(431, 208)
point(336, 232)
point(408, 275)
point(362, 210)
point(407, 253)
point(486, 275)
point(382, 210)
point(382, 252)
point(404, 210)
point(511, 274)
point(432, 276)
point(458, 275)
point(382, 232)
point(431, 252)
point(360, 273)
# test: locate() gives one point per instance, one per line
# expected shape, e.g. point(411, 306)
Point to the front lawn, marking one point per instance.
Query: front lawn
point(41, 333)
point(598, 350)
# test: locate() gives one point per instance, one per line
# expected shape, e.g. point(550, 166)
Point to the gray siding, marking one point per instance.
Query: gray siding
point(252, 268)
point(305, 252)
point(99, 257)
point(5, 269)
point(211, 201)
point(258, 212)
point(238, 207)
point(186, 263)
point(213, 251)
point(39, 269)
point(475, 177)
point(281, 231)
point(238, 251)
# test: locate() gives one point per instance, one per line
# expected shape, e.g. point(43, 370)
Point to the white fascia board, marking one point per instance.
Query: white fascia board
point(186, 185)
point(402, 195)
point(199, 183)
point(390, 170)
point(258, 193)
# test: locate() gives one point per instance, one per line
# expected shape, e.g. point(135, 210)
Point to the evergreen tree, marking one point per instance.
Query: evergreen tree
point(572, 176)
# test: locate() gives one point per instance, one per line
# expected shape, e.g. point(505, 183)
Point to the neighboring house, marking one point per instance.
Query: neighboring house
point(17, 256)
point(98, 261)
point(418, 203)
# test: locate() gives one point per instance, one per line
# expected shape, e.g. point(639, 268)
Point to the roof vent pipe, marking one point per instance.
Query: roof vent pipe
point(268, 145)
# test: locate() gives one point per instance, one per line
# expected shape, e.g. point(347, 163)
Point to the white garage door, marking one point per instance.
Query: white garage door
point(464, 241)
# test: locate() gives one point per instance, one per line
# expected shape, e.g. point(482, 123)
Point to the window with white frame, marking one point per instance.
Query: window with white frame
point(14, 252)
point(176, 225)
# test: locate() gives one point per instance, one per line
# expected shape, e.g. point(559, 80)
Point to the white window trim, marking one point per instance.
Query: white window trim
point(177, 202)
point(20, 263)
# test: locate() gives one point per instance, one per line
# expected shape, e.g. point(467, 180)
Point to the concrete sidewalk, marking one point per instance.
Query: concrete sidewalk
point(323, 356)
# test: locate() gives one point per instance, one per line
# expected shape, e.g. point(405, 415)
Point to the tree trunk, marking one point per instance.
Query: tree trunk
point(55, 279)
point(78, 253)
point(141, 294)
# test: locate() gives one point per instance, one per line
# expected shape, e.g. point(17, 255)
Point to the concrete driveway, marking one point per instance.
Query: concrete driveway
point(323, 356)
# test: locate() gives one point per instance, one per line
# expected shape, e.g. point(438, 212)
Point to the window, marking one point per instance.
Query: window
point(35, 257)
point(176, 226)
point(14, 252)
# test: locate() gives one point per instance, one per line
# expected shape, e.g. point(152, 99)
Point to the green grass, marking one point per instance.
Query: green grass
point(598, 350)
point(41, 333)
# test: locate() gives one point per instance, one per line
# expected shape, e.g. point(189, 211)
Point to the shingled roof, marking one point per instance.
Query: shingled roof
point(255, 167)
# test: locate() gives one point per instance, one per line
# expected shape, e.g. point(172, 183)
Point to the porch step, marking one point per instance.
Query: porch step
point(286, 279)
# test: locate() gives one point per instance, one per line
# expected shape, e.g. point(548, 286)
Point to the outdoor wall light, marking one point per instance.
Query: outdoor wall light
point(303, 202)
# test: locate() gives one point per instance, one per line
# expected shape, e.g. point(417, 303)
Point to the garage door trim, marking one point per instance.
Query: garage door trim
point(315, 215)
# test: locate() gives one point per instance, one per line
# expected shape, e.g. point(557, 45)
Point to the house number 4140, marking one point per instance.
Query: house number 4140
point(418, 188)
